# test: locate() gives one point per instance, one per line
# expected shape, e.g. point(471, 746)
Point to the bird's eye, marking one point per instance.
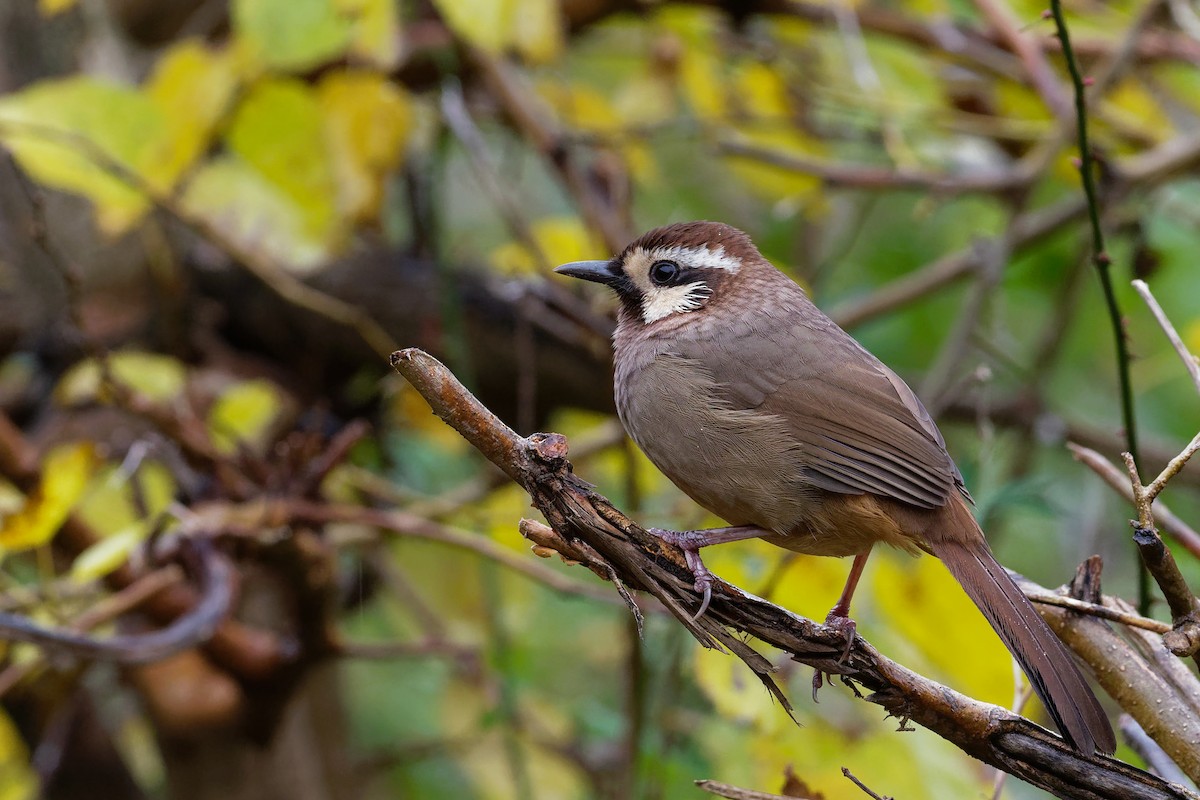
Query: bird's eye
point(663, 272)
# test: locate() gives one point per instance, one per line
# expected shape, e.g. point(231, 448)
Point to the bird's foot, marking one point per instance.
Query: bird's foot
point(818, 682)
point(690, 543)
point(845, 626)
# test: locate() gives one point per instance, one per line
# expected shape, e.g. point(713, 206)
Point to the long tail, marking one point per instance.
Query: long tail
point(1043, 657)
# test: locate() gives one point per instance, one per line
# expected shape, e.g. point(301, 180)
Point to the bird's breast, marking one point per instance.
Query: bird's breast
point(740, 464)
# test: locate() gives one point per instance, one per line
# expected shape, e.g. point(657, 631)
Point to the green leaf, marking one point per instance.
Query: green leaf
point(279, 132)
point(294, 35)
point(63, 132)
point(157, 377)
point(238, 203)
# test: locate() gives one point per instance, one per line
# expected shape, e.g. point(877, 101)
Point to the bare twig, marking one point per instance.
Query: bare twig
point(1135, 670)
point(731, 792)
point(1093, 609)
point(863, 786)
point(578, 514)
point(534, 123)
point(1179, 530)
point(1033, 58)
point(215, 575)
point(250, 519)
point(839, 175)
point(1189, 361)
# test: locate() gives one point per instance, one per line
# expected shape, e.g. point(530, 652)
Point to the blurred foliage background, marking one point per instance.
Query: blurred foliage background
point(218, 217)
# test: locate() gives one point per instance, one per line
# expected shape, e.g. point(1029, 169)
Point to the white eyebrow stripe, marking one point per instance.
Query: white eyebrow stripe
point(703, 257)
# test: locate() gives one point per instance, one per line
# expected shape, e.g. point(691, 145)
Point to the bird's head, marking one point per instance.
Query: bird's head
point(674, 271)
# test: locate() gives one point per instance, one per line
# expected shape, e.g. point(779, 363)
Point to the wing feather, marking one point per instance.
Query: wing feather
point(860, 427)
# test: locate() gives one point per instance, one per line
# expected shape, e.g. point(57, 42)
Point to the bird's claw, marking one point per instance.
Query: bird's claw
point(703, 585)
point(845, 626)
point(687, 542)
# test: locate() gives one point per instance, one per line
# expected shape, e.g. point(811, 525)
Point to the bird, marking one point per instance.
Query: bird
point(766, 413)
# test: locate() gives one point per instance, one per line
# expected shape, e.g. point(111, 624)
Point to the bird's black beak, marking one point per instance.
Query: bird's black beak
point(595, 271)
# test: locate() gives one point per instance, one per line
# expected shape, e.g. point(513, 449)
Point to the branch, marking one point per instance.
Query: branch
point(213, 572)
point(585, 526)
point(1189, 361)
point(1179, 530)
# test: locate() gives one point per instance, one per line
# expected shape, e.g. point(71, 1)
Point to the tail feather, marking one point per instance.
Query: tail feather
point(1046, 661)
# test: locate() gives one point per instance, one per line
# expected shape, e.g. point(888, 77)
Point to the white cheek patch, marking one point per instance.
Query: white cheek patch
point(662, 302)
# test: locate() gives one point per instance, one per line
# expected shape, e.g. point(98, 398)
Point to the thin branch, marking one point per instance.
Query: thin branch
point(1033, 57)
point(215, 575)
point(579, 516)
point(863, 786)
point(839, 175)
point(1094, 609)
point(1189, 361)
point(1185, 608)
point(1142, 171)
point(250, 519)
point(1101, 259)
point(107, 609)
point(1179, 530)
point(731, 792)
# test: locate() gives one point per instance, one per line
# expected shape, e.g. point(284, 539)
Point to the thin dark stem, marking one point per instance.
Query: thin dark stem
point(1103, 262)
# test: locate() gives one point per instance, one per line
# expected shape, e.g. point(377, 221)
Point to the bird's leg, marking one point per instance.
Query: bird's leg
point(839, 616)
point(690, 543)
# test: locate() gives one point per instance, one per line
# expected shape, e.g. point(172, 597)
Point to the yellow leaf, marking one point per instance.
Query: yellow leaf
point(537, 30)
point(65, 474)
point(703, 85)
point(243, 415)
point(1130, 106)
point(157, 377)
point(82, 135)
point(559, 240)
point(483, 23)
point(107, 554)
point(534, 28)
point(368, 119)
point(375, 34)
point(50, 8)
point(701, 71)
point(761, 92)
point(193, 86)
point(1191, 335)
point(18, 781)
point(930, 611)
point(110, 507)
